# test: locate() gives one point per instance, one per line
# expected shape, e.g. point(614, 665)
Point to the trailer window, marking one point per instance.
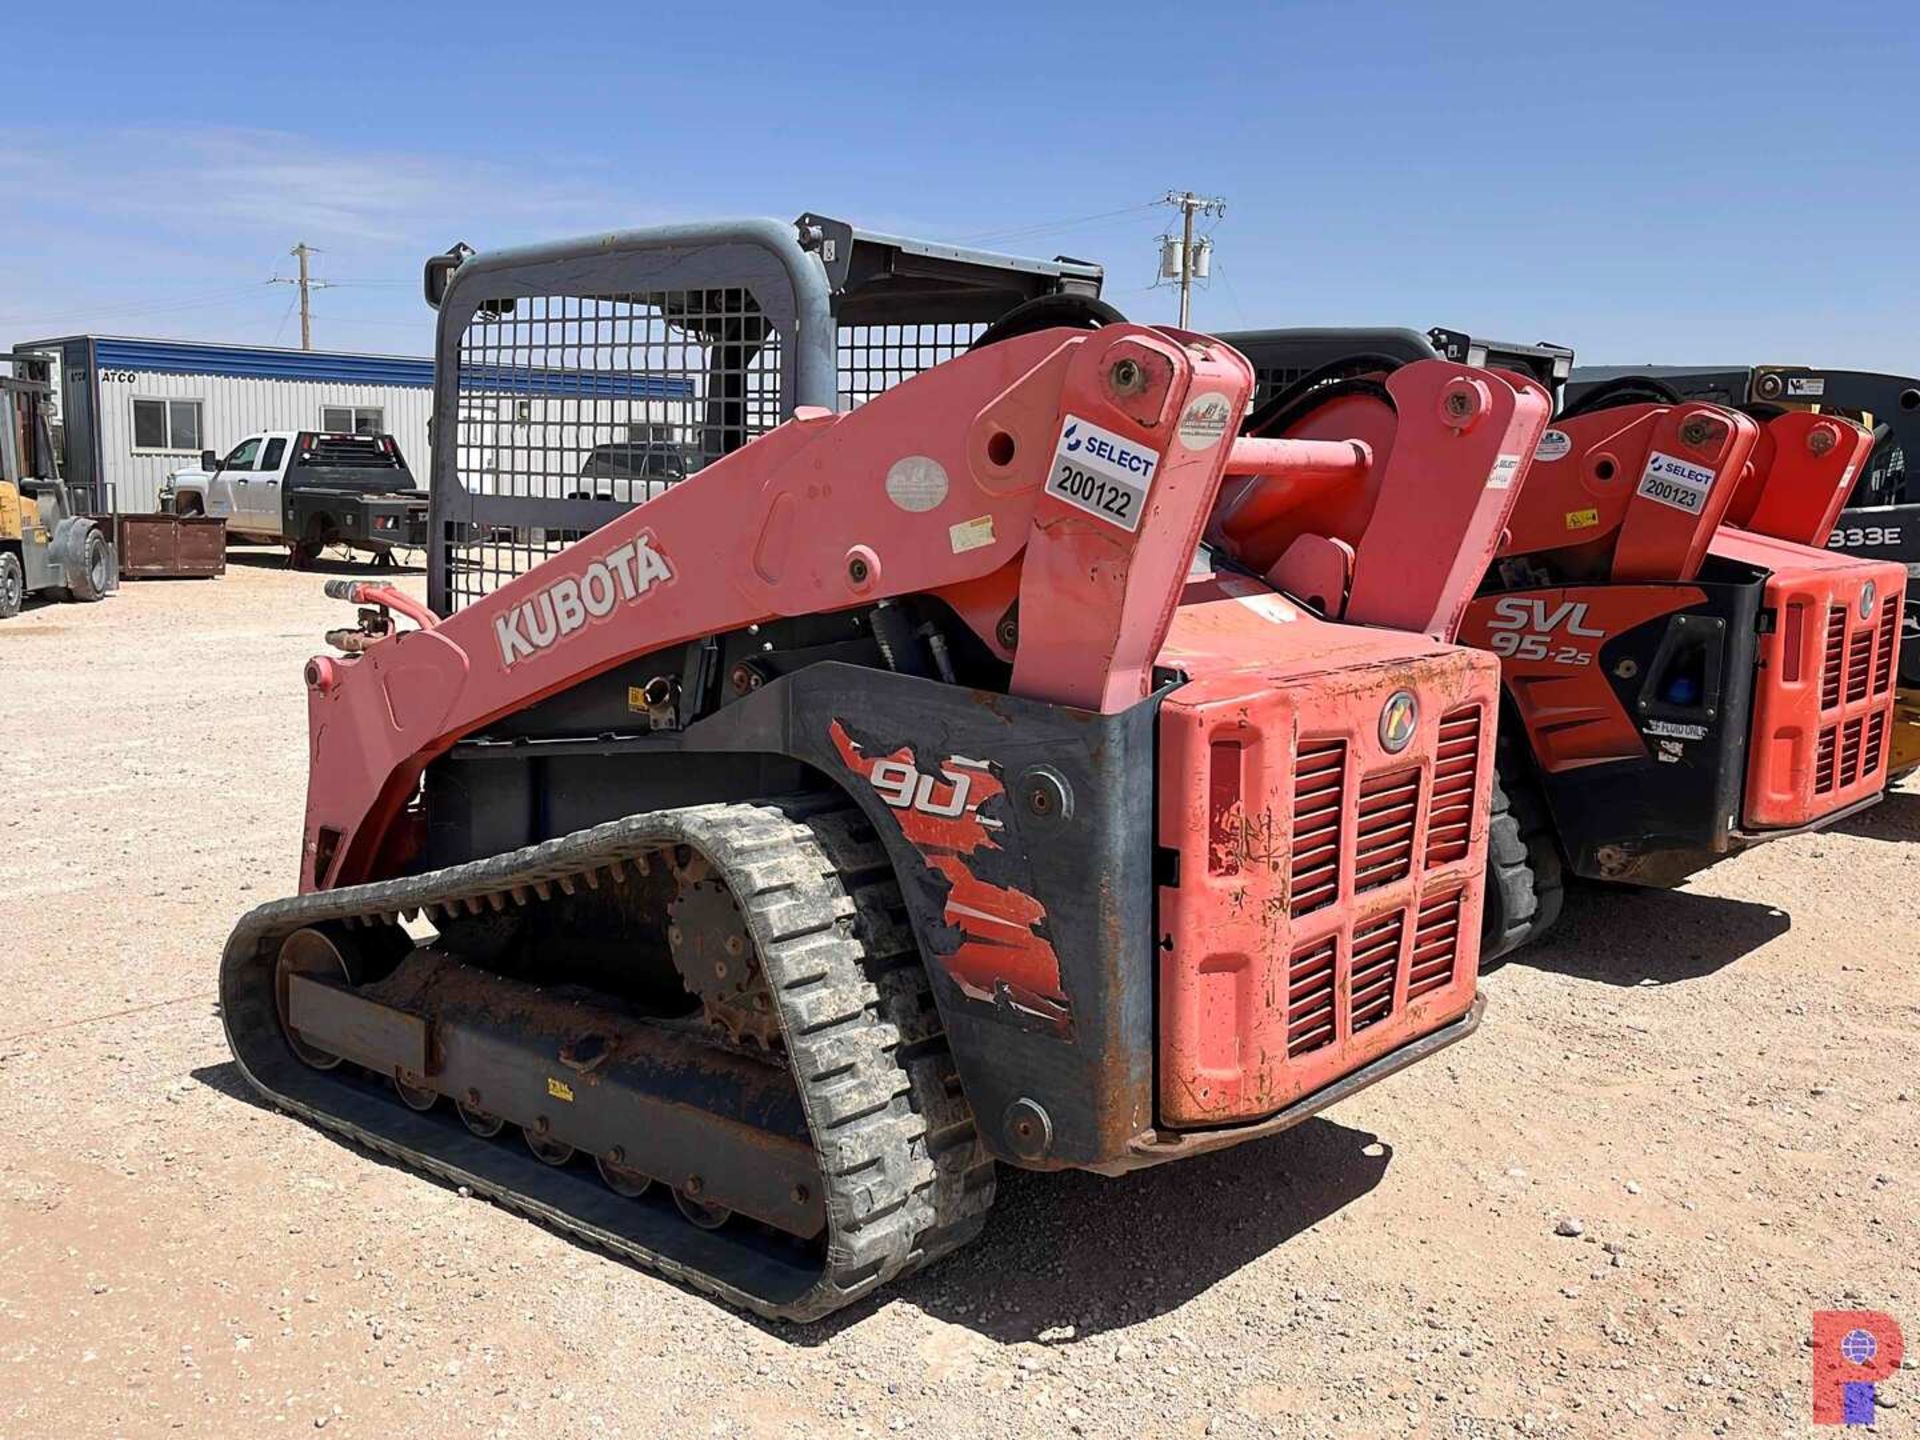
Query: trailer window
point(166, 425)
point(353, 419)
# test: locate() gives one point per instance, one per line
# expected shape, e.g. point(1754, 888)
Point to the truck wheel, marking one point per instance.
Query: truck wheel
point(187, 506)
point(1525, 879)
point(308, 549)
point(90, 579)
point(13, 585)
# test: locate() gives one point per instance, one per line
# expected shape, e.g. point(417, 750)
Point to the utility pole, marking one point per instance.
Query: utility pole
point(1190, 264)
point(300, 252)
point(306, 309)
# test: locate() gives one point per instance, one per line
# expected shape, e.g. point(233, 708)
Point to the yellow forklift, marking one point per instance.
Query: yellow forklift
point(45, 542)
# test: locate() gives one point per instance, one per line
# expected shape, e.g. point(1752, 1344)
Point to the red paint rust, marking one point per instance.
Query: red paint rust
point(1002, 956)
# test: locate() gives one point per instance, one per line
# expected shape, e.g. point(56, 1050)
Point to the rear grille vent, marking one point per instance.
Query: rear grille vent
point(1852, 735)
point(1835, 657)
point(1859, 664)
point(1376, 964)
point(1823, 767)
point(1876, 738)
point(1456, 769)
point(1436, 946)
point(1319, 798)
point(1389, 808)
point(1889, 643)
point(1310, 998)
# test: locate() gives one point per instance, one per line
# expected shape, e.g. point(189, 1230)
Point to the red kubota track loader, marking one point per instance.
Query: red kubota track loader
point(893, 796)
point(1682, 674)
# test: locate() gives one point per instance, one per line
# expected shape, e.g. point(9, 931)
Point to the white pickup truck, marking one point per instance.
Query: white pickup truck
point(307, 490)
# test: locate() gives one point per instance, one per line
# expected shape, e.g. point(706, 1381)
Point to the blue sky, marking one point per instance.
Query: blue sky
point(1713, 183)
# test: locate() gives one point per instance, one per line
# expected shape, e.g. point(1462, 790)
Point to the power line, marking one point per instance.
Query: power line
point(285, 316)
point(1044, 227)
point(1233, 297)
point(204, 300)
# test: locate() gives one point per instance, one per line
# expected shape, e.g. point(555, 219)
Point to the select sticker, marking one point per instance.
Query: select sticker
point(1101, 473)
point(1504, 469)
point(1669, 480)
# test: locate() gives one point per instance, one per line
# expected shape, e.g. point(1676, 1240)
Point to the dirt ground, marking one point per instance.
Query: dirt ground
point(1722, 1085)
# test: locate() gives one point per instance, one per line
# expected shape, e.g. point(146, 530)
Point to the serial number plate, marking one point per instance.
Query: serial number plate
point(1102, 473)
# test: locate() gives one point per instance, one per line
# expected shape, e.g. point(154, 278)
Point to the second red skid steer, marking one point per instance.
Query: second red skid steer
point(895, 796)
point(1682, 675)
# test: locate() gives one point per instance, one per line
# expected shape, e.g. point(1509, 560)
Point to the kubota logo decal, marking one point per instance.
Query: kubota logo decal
point(1398, 719)
point(619, 577)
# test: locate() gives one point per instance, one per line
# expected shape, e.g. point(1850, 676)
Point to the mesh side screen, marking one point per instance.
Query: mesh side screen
point(1270, 380)
point(602, 398)
point(874, 358)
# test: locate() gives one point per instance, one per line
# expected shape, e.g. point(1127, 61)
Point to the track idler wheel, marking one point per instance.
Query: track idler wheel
point(310, 952)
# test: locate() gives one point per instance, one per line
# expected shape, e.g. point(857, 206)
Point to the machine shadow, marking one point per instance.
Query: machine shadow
point(1650, 937)
point(225, 1079)
point(1095, 1254)
point(1079, 1250)
point(265, 558)
point(1895, 819)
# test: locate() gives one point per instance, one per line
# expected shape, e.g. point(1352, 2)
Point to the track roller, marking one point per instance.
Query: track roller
point(622, 1180)
point(415, 1097)
point(479, 1121)
point(697, 1211)
point(547, 1150)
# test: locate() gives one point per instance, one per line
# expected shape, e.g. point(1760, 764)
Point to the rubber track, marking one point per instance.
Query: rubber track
point(1525, 879)
point(906, 1177)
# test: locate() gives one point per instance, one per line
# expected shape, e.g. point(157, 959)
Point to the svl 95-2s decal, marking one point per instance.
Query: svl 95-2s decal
point(1525, 627)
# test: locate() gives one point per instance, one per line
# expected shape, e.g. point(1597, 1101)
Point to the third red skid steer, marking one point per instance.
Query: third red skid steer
point(1681, 678)
point(896, 795)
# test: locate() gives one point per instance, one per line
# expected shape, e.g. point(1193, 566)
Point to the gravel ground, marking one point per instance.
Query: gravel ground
point(1720, 1085)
